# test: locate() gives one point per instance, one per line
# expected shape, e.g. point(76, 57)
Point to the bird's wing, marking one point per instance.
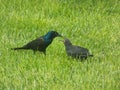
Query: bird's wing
point(77, 50)
point(82, 50)
point(35, 43)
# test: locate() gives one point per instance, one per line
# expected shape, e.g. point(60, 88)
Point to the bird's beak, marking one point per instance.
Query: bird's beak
point(63, 39)
point(59, 35)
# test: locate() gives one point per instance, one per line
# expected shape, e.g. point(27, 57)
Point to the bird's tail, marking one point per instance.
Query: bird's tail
point(18, 48)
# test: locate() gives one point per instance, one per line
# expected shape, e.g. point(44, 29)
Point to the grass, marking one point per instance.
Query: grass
point(91, 24)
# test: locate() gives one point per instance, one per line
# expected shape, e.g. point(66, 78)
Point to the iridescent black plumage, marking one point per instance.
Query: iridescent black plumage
point(41, 43)
point(76, 51)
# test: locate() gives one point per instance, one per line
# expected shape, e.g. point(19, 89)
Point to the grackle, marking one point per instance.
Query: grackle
point(41, 43)
point(76, 51)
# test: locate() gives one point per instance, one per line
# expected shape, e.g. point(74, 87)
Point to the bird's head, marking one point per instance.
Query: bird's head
point(66, 42)
point(51, 35)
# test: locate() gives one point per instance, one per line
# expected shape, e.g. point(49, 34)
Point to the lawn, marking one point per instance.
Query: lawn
point(93, 24)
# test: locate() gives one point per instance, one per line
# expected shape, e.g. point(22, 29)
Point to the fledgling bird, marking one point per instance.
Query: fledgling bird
point(41, 43)
point(76, 51)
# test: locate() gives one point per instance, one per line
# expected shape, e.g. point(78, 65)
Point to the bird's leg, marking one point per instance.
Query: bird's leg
point(34, 51)
point(44, 53)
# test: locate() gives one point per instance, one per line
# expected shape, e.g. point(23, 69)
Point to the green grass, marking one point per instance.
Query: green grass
point(94, 24)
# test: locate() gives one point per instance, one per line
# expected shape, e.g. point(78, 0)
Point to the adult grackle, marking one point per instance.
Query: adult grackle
point(41, 43)
point(75, 51)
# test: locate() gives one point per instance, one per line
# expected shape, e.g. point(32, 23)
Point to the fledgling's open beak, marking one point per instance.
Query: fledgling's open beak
point(63, 39)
